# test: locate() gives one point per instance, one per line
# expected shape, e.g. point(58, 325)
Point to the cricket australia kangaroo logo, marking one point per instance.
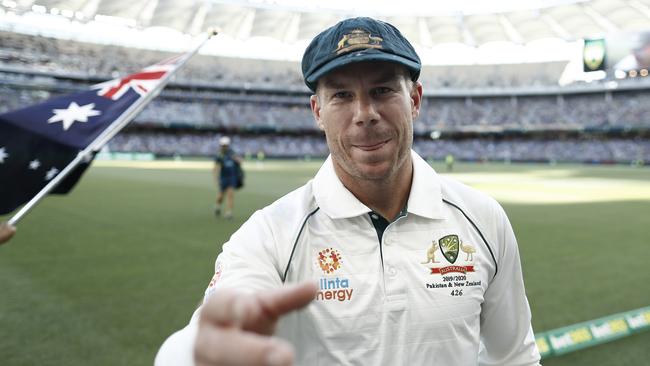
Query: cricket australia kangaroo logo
point(450, 247)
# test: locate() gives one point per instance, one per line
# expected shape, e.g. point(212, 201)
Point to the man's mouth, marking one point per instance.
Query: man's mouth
point(371, 147)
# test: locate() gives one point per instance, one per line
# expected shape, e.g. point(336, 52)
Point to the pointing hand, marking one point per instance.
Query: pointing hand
point(236, 328)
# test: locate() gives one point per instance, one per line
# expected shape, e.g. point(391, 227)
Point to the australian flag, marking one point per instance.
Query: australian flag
point(39, 141)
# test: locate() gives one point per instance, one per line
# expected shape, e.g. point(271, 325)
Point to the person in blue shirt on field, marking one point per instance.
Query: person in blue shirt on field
point(227, 172)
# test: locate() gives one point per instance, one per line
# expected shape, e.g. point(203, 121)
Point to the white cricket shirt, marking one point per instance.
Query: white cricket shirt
point(443, 286)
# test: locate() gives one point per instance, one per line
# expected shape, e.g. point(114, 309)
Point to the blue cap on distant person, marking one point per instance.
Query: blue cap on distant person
point(356, 40)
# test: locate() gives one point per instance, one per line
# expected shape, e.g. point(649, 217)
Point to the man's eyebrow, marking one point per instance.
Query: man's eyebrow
point(386, 77)
point(333, 84)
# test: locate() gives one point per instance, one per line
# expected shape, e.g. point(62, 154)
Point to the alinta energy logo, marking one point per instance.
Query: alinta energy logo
point(332, 288)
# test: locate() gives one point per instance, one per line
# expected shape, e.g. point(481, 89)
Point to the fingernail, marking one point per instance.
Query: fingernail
point(278, 357)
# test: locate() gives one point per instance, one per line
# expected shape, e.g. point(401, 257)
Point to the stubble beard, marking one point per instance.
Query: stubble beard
point(352, 169)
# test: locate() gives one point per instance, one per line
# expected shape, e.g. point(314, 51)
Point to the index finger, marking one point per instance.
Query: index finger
point(288, 298)
point(227, 307)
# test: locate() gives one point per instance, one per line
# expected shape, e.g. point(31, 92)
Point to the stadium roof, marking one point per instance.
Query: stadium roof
point(444, 32)
point(425, 22)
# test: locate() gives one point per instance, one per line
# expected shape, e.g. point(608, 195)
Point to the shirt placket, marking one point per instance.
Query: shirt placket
point(392, 274)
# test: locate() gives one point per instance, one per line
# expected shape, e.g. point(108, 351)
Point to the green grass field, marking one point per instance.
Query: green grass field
point(103, 275)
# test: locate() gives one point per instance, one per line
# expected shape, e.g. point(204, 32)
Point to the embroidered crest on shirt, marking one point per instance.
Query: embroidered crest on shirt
point(452, 268)
point(330, 260)
point(449, 247)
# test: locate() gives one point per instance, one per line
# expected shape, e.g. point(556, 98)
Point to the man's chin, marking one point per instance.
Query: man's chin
point(377, 171)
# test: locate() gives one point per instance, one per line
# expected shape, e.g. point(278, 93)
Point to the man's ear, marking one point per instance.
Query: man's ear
point(315, 110)
point(416, 99)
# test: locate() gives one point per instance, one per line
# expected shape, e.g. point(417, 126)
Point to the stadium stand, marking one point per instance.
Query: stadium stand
point(595, 151)
point(63, 56)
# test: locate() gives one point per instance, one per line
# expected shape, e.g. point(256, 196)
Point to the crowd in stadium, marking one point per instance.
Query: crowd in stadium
point(543, 150)
point(625, 109)
point(62, 56)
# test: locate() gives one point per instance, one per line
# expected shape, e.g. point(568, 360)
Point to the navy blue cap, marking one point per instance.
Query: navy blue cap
point(357, 40)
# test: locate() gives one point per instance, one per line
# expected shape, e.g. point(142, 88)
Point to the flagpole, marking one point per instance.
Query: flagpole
point(108, 133)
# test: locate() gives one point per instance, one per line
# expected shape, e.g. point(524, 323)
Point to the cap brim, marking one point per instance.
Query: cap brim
point(354, 57)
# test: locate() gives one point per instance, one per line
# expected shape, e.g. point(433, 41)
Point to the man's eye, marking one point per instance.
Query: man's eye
point(341, 94)
point(382, 90)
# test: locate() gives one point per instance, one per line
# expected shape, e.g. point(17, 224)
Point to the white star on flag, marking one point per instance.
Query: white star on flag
point(74, 113)
point(51, 173)
point(34, 164)
point(3, 154)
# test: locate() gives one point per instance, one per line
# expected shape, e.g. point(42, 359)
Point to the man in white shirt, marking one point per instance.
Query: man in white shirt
point(389, 263)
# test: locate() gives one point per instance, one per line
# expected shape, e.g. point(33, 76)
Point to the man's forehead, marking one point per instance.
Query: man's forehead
point(374, 72)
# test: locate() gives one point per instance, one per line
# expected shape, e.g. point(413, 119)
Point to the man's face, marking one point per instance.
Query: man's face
point(367, 111)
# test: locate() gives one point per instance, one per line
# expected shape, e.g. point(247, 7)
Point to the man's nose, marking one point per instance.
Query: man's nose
point(366, 111)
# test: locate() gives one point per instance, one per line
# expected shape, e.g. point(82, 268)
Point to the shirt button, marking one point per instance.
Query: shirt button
point(374, 216)
point(392, 272)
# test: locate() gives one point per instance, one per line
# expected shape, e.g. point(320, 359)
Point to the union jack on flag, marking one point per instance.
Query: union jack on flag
point(38, 141)
point(140, 82)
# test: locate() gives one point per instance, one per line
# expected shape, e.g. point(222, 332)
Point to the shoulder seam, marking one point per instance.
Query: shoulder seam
point(295, 243)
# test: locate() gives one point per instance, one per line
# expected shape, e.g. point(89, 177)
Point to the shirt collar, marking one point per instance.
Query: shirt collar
point(331, 195)
point(338, 202)
point(426, 192)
